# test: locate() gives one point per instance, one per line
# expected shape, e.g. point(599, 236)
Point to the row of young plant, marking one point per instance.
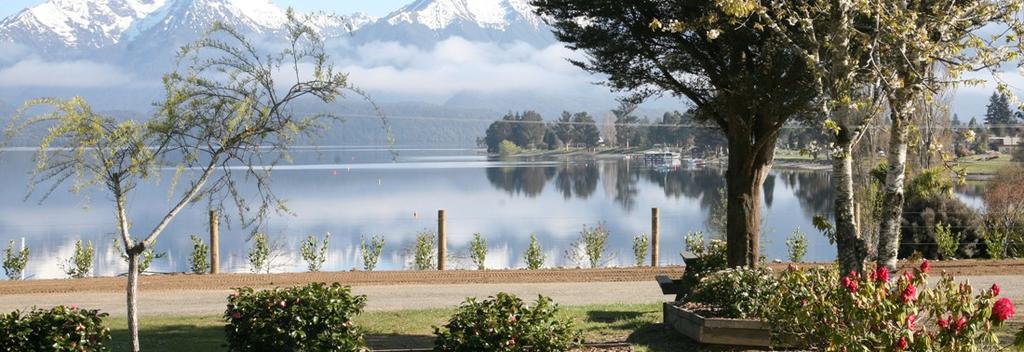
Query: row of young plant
point(817, 309)
point(315, 317)
point(589, 249)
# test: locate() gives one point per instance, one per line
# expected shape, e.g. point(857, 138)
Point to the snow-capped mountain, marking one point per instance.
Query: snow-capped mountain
point(78, 28)
point(75, 24)
point(424, 22)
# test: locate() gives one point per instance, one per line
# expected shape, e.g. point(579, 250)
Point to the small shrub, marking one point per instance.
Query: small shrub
point(15, 262)
point(315, 317)
point(259, 254)
point(590, 247)
point(371, 251)
point(640, 246)
point(425, 251)
point(80, 263)
point(508, 148)
point(797, 245)
point(505, 323)
point(534, 256)
point(145, 260)
point(709, 258)
point(198, 260)
point(314, 253)
point(57, 329)
point(947, 241)
point(995, 242)
point(738, 293)
point(478, 251)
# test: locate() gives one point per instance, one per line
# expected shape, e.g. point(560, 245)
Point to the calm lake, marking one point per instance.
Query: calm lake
point(356, 191)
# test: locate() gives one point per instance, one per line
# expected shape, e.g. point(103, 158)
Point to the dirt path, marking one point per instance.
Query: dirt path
point(204, 294)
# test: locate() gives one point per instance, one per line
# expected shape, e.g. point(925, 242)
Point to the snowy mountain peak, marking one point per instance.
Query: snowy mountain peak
point(439, 14)
point(77, 23)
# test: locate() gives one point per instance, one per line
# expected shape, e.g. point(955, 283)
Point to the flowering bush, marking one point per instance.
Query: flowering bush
point(750, 291)
point(875, 312)
point(58, 329)
point(708, 258)
point(504, 323)
point(316, 317)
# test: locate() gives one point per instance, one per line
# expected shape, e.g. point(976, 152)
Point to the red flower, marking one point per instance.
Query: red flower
point(925, 266)
point(1003, 309)
point(911, 322)
point(944, 323)
point(882, 274)
point(995, 290)
point(236, 315)
point(909, 293)
point(850, 283)
point(902, 344)
point(960, 323)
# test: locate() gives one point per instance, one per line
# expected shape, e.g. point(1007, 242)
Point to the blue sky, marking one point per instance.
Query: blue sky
point(373, 7)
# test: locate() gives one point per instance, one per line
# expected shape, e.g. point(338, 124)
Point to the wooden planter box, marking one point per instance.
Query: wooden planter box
point(717, 331)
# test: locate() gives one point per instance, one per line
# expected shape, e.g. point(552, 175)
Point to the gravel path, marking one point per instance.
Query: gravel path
point(390, 297)
point(205, 294)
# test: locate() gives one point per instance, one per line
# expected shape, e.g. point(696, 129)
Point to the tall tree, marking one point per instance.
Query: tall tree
point(498, 131)
point(226, 117)
point(628, 129)
point(529, 130)
point(565, 130)
point(748, 81)
point(916, 38)
point(998, 114)
point(585, 130)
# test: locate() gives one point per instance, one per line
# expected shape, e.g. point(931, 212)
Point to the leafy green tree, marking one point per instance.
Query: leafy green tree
point(498, 132)
point(585, 130)
point(529, 131)
point(747, 81)
point(565, 130)
point(998, 114)
point(628, 131)
point(226, 116)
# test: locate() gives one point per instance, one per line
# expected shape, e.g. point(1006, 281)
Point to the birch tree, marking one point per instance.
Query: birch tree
point(916, 38)
point(228, 114)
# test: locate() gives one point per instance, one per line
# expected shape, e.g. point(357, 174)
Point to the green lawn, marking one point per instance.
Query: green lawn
point(637, 324)
point(977, 164)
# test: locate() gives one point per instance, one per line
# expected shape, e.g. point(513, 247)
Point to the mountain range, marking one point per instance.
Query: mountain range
point(472, 58)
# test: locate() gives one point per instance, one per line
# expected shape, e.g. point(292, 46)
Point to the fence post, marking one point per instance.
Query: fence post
point(442, 239)
point(655, 228)
point(214, 242)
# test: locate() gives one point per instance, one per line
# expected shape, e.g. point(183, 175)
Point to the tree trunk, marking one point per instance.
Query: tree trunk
point(892, 201)
point(133, 290)
point(748, 167)
point(849, 245)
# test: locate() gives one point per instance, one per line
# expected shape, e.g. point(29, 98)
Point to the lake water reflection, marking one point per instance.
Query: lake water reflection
point(354, 191)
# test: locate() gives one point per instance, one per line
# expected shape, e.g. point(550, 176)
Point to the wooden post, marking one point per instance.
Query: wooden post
point(442, 240)
point(214, 242)
point(655, 228)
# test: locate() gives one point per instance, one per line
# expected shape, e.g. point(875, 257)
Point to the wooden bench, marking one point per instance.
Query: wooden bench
point(670, 286)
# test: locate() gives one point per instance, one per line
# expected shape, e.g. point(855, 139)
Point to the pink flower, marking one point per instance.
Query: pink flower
point(960, 323)
point(882, 274)
point(850, 283)
point(943, 323)
point(1003, 309)
point(925, 266)
point(909, 293)
point(911, 322)
point(902, 344)
point(236, 315)
point(995, 290)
